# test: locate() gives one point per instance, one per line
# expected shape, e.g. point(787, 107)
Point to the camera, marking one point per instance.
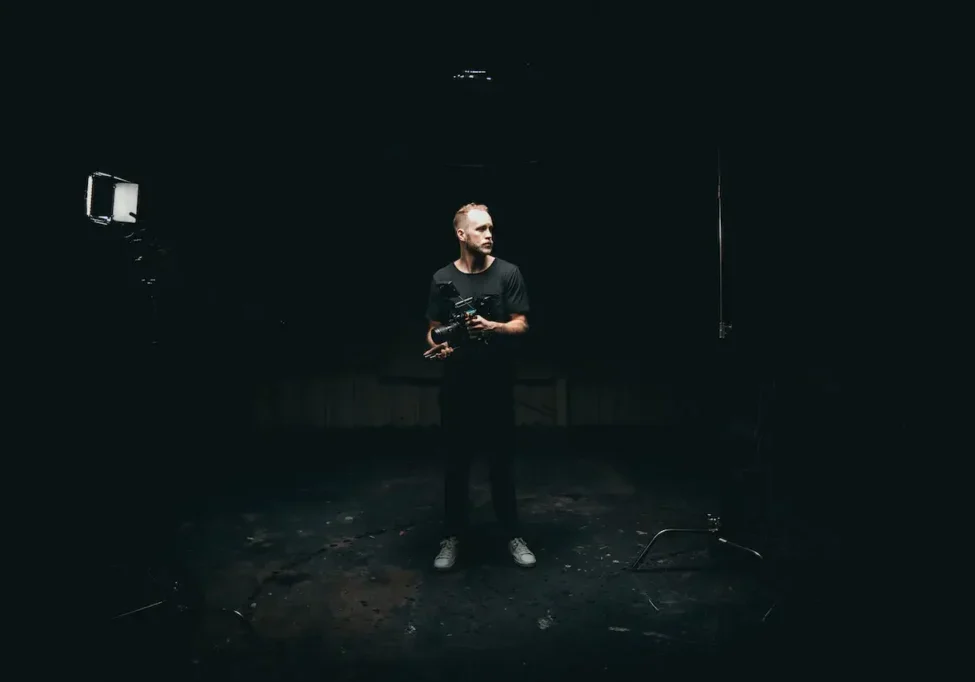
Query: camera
point(455, 331)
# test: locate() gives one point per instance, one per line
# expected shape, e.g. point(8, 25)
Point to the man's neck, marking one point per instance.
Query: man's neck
point(473, 263)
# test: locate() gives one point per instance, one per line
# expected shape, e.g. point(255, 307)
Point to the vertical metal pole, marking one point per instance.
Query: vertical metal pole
point(723, 327)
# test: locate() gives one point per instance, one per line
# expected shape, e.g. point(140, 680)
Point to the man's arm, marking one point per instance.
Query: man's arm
point(436, 351)
point(516, 295)
point(434, 310)
point(518, 324)
point(433, 325)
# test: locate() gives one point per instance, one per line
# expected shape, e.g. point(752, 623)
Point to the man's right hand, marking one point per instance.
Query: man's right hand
point(439, 352)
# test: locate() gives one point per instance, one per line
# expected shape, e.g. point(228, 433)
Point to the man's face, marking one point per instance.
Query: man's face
point(478, 232)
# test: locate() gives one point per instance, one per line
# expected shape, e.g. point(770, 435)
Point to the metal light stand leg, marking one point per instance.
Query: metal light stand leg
point(176, 602)
point(714, 527)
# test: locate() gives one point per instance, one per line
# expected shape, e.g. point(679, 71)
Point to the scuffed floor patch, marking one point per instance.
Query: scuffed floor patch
point(339, 607)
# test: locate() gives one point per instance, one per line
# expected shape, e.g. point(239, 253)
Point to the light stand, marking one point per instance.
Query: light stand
point(146, 250)
point(166, 630)
point(113, 201)
point(713, 527)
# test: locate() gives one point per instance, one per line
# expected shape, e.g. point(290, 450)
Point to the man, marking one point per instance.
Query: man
point(476, 397)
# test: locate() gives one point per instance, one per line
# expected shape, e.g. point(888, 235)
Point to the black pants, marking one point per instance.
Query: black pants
point(478, 422)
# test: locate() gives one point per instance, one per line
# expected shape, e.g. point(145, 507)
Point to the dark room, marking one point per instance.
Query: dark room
point(488, 350)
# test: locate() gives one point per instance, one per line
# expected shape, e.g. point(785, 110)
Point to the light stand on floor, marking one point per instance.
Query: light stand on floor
point(114, 203)
point(713, 527)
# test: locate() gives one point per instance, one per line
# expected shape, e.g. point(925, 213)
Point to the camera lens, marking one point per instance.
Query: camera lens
point(443, 333)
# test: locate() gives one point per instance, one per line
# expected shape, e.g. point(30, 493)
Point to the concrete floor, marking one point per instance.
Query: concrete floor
point(331, 574)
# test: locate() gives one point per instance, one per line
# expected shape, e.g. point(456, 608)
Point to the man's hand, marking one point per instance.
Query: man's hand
point(478, 325)
point(439, 352)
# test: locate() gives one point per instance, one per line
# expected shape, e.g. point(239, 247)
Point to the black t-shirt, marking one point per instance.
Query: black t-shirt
point(505, 282)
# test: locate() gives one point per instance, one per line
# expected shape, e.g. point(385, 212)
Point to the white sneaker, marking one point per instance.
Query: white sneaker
point(519, 550)
point(448, 554)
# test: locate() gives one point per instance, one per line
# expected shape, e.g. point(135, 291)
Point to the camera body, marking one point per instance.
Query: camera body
point(455, 331)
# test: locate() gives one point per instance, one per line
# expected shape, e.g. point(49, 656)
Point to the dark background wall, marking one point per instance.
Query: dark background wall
point(304, 190)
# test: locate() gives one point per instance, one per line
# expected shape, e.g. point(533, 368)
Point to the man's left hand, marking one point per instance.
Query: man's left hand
point(479, 325)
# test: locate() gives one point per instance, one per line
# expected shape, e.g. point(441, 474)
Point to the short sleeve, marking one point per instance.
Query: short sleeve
point(435, 311)
point(516, 294)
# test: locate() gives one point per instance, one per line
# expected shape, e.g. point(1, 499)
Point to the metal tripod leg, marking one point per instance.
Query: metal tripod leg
point(646, 550)
point(714, 526)
point(741, 547)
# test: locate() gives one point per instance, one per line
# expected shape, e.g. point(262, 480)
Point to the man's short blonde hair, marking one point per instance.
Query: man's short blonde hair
point(462, 212)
